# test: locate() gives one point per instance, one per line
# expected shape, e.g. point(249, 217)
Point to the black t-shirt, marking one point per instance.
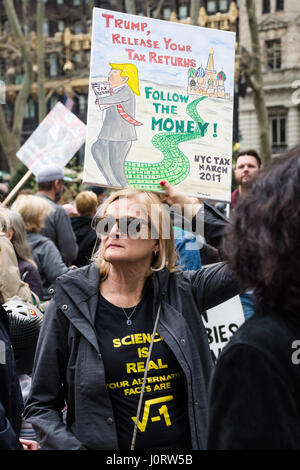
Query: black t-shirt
point(163, 422)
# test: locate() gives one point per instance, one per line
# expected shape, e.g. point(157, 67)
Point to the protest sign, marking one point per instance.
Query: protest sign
point(55, 141)
point(221, 323)
point(160, 105)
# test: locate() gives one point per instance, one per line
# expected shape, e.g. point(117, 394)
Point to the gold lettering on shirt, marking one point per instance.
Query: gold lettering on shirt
point(137, 338)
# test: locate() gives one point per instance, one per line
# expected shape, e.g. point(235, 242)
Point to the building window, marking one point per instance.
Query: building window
point(53, 69)
point(278, 133)
point(279, 5)
point(266, 7)
point(166, 13)
point(29, 112)
point(77, 27)
point(211, 7)
point(46, 28)
point(223, 6)
point(183, 12)
point(61, 26)
point(26, 29)
point(52, 102)
point(273, 54)
point(76, 3)
point(82, 104)
point(60, 2)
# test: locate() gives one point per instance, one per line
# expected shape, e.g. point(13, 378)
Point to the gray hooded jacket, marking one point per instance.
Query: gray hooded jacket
point(69, 368)
point(48, 259)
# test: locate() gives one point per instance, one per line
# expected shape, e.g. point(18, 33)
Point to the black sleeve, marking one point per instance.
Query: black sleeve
point(8, 438)
point(214, 224)
point(46, 400)
point(250, 405)
point(34, 280)
point(11, 401)
point(213, 285)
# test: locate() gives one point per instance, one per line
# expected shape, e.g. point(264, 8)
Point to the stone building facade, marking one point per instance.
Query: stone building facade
point(279, 32)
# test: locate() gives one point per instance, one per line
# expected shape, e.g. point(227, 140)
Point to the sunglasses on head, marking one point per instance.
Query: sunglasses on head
point(130, 226)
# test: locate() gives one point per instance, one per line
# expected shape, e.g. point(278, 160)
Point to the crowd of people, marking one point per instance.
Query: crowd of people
point(102, 300)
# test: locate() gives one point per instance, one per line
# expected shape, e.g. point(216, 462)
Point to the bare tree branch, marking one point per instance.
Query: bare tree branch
point(195, 7)
point(255, 80)
point(40, 14)
point(157, 11)
point(130, 7)
point(10, 147)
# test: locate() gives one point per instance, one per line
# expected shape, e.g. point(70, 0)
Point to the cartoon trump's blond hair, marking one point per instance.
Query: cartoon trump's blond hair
point(130, 71)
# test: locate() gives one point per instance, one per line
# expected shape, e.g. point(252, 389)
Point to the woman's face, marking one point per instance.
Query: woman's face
point(128, 235)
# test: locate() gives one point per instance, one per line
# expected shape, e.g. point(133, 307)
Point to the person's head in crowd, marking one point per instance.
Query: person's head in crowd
point(70, 209)
point(86, 203)
point(50, 182)
point(247, 164)
point(17, 235)
point(34, 210)
point(262, 243)
point(3, 191)
point(100, 192)
point(151, 243)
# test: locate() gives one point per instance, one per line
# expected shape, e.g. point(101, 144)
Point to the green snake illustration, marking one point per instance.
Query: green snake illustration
point(175, 165)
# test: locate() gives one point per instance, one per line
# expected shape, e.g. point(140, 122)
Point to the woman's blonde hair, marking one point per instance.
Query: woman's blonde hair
point(19, 239)
point(161, 224)
point(33, 209)
point(86, 203)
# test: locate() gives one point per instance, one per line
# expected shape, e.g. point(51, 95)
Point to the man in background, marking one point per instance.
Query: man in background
point(248, 163)
point(57, 225)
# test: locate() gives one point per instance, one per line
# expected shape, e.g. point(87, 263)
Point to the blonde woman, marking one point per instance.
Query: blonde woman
point(11, 284)
point(86, 238)
point(27, 266)
point(123, 343)
point(34, 210)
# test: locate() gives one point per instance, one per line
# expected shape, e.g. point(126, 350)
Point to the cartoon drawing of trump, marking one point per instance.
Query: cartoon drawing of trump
point(119, 126)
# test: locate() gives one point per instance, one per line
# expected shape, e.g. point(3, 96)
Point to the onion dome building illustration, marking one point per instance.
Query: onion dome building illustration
point(200, 75)
point(221, 77)
point(192, 78)
point(208, 81)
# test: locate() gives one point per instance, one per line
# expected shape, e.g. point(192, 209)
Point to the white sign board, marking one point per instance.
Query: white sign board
point(160, 105)
point(55, 141)
point(221, 323)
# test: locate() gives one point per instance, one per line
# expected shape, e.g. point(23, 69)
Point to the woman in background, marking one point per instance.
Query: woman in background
point(11, 284)
point(34, 210)
point(254, 395)
point(27, 266)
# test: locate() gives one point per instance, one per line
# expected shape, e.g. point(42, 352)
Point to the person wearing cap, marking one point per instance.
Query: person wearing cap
point(119, 126)
point(50, 183)
point(100, 192)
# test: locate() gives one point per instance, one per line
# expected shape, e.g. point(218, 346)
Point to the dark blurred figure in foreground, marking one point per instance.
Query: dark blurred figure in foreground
point(254, 395)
